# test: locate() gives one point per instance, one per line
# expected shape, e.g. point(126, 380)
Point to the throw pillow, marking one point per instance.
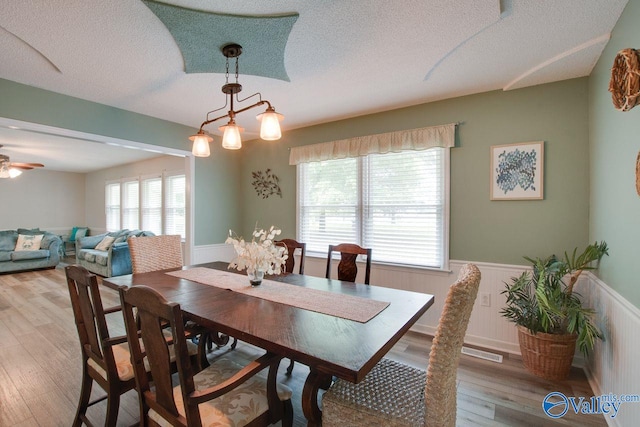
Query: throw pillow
point(105, 244)
point(29, 242)
point(77, 232)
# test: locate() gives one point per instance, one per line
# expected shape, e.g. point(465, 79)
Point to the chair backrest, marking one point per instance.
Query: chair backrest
point(440, 388)
point(89, 315)
point(152, 315)
point(291, 246)
point(347, 268)
point(153, 253)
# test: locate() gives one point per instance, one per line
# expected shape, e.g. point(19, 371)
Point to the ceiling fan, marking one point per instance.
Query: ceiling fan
point(10, 169)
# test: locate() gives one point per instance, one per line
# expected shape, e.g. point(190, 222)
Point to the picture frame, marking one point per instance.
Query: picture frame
point(517, 171)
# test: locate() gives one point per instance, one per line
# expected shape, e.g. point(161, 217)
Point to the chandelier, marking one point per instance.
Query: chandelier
point(231, 140)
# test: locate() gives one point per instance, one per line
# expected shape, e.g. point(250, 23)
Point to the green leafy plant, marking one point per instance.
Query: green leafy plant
point(543, 300)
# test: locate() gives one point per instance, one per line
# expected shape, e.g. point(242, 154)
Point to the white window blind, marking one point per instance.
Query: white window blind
point(328, 204)
point(112, 206)
point(393, 203)
point(130, 205)
point(175, 205)
point(152, 205)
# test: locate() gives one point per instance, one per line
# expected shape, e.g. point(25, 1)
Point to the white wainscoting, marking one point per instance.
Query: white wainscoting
point(614, 365)
point(210, 253)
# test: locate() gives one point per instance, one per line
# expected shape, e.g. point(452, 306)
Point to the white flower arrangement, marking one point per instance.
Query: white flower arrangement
point(261, 253)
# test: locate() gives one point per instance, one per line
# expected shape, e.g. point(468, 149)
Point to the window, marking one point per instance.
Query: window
point(152, 205)
point(393, 203)
point(156, 203)
point(112, 205)
point(175, 205)
point(130, 205)
point(387, 191)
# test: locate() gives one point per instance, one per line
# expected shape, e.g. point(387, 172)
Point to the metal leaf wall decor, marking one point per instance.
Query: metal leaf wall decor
point(266, 183)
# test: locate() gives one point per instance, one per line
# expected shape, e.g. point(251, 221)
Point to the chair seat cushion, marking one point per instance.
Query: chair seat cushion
point(122, 357)
point(392, 394)
point(235, 408)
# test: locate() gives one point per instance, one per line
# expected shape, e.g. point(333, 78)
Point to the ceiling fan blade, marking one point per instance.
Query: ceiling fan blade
point(27, 165)
point(18, 166)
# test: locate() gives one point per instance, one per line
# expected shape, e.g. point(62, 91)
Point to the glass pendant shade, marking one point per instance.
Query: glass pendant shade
point(231, 139)
point(13, 172)
point(270, 125)
point(201, 145)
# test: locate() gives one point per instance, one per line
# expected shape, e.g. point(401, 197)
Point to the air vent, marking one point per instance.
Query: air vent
point(482, 354)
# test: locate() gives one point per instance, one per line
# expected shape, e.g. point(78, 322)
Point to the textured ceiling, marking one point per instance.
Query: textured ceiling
point(200, 36)
point(341, 58)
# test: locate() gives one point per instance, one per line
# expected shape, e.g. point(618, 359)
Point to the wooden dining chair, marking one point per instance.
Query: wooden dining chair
point(347, 267)
point(105, 359)
point(289, 266)
point(225, 393)
point(291, 246)
point(394, 394)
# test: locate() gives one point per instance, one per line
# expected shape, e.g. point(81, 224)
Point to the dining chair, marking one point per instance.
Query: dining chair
point(153, 253)
point(291, 246)
point(164, 252)
point(289, 266)
point(395, 394)
point(347, 267)
point(105, 359)
point(225, 393)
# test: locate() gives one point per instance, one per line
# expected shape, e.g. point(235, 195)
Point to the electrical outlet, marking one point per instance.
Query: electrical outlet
point(485, 299)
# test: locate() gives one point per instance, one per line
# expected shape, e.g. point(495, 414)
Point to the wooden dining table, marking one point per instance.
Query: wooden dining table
point(329, 345)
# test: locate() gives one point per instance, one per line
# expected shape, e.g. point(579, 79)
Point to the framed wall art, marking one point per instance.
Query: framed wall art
point(517, 171)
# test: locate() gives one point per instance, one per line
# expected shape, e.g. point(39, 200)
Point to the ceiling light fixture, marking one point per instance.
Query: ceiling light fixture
point(6, 171)
point(231, 140)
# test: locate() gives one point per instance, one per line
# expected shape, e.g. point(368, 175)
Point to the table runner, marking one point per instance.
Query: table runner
point(339, 305)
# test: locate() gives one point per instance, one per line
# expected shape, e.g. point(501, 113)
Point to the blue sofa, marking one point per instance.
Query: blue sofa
point(48, 256)
point(116, 261)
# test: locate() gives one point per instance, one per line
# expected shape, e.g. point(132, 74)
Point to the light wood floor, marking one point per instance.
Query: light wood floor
point(40, 367)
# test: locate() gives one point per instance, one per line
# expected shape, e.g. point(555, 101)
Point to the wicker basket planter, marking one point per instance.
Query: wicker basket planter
point(548, 356)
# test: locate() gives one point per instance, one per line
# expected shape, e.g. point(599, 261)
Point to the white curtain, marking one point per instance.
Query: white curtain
point(411, 139)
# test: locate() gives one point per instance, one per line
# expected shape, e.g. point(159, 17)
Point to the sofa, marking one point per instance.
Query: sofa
point(46, 254)
point(110, 259)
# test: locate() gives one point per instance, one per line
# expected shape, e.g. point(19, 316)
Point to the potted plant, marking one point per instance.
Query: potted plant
point(549, 313)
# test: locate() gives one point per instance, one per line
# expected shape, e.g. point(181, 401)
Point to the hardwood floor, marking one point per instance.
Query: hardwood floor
point(40, 367)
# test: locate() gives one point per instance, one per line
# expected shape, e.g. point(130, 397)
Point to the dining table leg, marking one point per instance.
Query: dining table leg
point(314, 382)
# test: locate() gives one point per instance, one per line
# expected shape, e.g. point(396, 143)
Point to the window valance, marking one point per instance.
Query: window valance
point(411, 139)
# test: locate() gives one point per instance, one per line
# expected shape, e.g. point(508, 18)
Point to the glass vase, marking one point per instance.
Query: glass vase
point(255, 277)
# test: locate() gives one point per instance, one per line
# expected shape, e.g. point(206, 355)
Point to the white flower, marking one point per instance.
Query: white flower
point(259, 254)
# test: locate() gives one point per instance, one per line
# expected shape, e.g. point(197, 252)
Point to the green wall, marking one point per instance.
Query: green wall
point(216, 177)
point(481, 230)
point(614, 145)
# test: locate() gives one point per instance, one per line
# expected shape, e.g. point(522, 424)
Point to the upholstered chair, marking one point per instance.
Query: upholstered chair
point(394, 394)
point(153, 253)
point(226, 393)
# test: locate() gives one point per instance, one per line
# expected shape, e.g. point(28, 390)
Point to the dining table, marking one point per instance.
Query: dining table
point(336, 328)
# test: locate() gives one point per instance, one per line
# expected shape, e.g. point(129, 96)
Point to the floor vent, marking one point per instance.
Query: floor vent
point(482, 354)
